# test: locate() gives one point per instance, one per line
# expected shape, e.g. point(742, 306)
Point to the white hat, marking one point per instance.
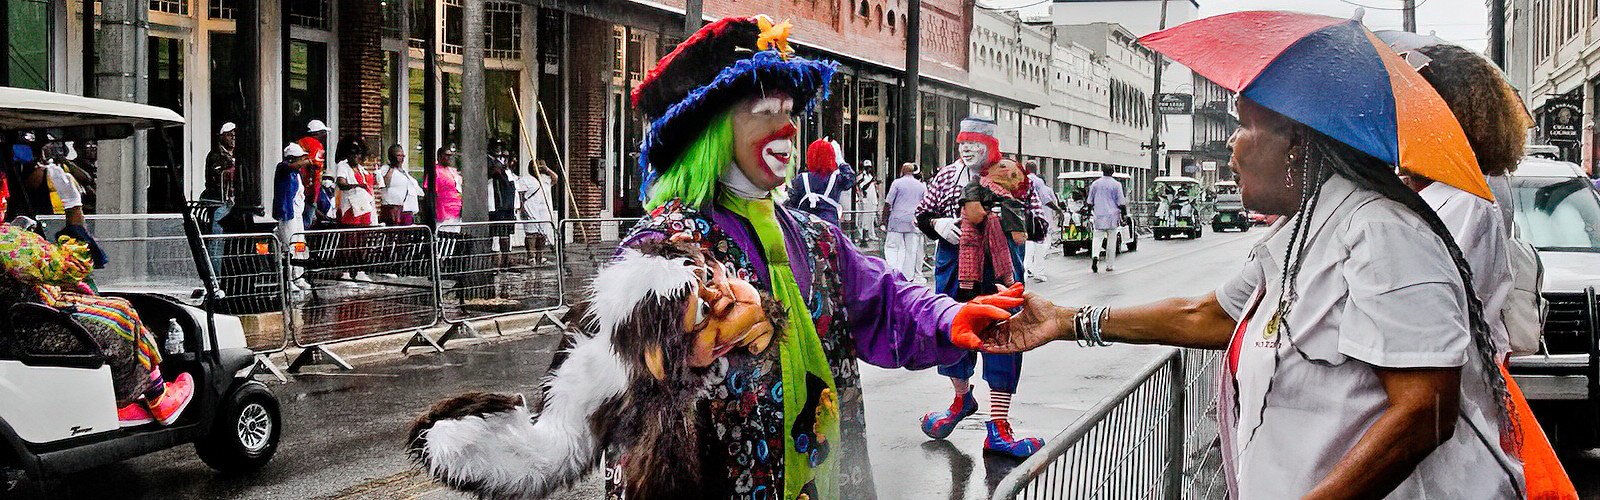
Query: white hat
point(293, 151)
point(227, 127)
point(315, 126)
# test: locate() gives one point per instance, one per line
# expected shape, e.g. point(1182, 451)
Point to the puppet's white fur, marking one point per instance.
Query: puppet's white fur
point(510, 454)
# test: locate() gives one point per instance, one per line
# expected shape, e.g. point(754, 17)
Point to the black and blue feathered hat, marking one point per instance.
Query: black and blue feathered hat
point(714, 68)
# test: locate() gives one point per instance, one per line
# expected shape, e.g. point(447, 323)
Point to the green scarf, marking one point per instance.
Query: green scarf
point(800, 353)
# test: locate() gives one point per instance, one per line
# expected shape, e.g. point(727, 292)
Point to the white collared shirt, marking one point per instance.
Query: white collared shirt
point(1477, 227)
point(1376, 289)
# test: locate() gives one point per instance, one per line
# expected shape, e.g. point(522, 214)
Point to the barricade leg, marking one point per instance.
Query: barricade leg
point(420, 339)
point(460, 330)
point(317, 355)
point(264, 363)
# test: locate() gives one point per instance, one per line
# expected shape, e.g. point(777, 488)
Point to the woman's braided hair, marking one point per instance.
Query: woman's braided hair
point(1320, 159)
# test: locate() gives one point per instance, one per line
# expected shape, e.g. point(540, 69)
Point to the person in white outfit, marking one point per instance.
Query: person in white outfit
point(1109, 203)
point(904, 247)
point(1047, 201)
point(536, 192)
point(867, 198)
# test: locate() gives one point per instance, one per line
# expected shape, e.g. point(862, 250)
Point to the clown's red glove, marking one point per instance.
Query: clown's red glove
point(981, 314)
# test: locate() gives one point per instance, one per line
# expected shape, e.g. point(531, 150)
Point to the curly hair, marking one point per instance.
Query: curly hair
point(1488, 108)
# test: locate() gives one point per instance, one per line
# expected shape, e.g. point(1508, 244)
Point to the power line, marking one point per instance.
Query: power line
point(1365, 6)
point(1040, 2)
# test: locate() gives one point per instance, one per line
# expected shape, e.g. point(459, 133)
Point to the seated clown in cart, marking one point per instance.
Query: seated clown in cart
point(721, 361)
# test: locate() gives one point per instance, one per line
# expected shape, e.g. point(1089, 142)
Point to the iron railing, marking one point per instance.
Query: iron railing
point(1154, 437)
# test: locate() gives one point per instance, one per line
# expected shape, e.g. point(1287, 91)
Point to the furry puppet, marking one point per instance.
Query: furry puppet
point(660, 315)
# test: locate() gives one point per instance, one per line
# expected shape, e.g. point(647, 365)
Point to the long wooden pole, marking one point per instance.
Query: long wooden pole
point(527, 144)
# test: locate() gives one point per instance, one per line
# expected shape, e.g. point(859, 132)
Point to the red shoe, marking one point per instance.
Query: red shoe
point(172, 402)
point(133, 415)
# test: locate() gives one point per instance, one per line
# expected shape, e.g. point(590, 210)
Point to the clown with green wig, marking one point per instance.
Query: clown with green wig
point(720, 358)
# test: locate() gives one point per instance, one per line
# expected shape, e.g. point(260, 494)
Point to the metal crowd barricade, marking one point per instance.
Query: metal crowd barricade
point(493, 269)
point(587, 244)
point(1143, 214)
point(357, 283)
point(1149, 439)
point(149, 253)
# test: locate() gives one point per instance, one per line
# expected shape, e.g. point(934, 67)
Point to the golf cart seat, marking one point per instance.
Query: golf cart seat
point(55, 339)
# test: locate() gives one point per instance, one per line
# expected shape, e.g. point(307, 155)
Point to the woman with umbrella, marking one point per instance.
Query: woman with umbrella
point(1358, 362)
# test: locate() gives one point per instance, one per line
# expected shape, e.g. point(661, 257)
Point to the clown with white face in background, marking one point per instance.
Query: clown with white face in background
point(977, 148)
point(721, 356)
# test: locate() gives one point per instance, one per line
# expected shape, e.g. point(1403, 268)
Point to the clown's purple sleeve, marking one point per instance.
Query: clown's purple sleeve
point(896, 324)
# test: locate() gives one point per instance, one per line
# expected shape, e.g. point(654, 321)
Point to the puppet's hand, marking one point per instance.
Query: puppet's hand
point(472, 404)
point(982, 314)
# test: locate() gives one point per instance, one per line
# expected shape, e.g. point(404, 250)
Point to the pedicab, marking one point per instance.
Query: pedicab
point(1076, 231)
point(58, 410)
point(1230, 212)
point(1176, 212)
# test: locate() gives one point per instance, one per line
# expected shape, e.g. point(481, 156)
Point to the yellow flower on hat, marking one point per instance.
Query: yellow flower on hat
point(774, 36)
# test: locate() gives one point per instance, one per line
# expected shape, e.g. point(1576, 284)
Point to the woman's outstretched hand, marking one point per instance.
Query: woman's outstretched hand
point(1037, 324)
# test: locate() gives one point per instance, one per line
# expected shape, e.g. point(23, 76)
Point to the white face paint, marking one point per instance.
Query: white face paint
point(972, 153)
point(776, 153)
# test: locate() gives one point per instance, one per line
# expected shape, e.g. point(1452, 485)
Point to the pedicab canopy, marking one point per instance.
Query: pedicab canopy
point(1332, 75)
point(77, 117)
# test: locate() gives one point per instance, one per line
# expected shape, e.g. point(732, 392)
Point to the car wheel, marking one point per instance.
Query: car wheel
point(245, 434)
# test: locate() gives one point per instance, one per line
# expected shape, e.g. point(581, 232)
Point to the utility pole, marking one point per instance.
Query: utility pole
point(430, 111)
point(693, 11)
point(1497, 33)
point(1410, 9)
point(912, 97)
point(473, 125)
point(1155, 103)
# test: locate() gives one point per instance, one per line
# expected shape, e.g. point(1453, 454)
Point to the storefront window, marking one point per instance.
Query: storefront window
point(932, 153)
point(305, 97)
point(415, 99)
point(391, 102)
point(309, 14)
point(164, 153)
point(28, 44)
point(502, 109)
point(222, 9)
point(226, 101)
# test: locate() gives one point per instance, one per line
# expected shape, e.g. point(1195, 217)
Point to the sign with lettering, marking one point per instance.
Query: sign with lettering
point(1174, 104)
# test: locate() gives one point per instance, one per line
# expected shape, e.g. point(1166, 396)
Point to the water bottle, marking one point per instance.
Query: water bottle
point(174, 344)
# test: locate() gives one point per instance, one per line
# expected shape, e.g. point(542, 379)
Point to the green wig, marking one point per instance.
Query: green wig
point(692, 178)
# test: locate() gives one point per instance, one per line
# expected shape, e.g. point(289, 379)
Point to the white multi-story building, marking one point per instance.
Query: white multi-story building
point(1553, 60)
point(1142, 17)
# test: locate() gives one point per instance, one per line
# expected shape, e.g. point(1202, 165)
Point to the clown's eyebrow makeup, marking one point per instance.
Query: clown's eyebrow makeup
point(773, 105)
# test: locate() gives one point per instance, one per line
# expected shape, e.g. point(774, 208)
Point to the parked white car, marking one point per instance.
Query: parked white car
point(1557, 210)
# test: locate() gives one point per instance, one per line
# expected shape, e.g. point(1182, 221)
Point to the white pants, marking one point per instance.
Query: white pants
point(291, 232)
point(905, 252)
point(1033, 254)
point(1100, 238)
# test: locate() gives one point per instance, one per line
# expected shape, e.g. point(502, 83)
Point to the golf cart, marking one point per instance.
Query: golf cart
point(1230, 209)
point(58, 410)
point(1076, 230)
point(1176, 212)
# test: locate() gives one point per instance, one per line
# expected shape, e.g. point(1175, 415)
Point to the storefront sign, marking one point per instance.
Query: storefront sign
point(1174, 104)
point(1563, 120)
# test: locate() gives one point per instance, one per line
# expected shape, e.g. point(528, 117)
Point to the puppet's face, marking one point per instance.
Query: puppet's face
point(722, 314)
point(1006, 175)
point(973, 153)
point(763, 139)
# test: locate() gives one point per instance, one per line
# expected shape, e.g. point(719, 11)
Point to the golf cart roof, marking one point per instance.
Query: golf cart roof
point(1090, 175)
point(71, 117)
point(1226, 183)
point(1175, 180)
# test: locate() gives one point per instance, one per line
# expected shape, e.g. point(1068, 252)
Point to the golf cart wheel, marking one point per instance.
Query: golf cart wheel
point(1133, 244)
point(1216, 228)
point(245, 434)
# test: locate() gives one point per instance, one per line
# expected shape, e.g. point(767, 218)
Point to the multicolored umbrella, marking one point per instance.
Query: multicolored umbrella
point(1334, 76)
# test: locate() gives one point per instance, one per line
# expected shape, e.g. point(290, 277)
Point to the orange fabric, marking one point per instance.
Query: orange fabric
point(1546, 479)
point(1431, 140)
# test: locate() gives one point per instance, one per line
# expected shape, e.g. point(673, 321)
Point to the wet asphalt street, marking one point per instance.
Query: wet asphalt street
point(345, 430)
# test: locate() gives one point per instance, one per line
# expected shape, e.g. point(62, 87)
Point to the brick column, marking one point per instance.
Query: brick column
point(361, 71)
point(590, 80)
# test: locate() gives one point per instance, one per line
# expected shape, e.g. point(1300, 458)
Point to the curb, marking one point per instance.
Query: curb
point(381, 348)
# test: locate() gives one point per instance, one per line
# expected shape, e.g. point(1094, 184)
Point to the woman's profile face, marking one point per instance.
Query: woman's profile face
point(1261, 147)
